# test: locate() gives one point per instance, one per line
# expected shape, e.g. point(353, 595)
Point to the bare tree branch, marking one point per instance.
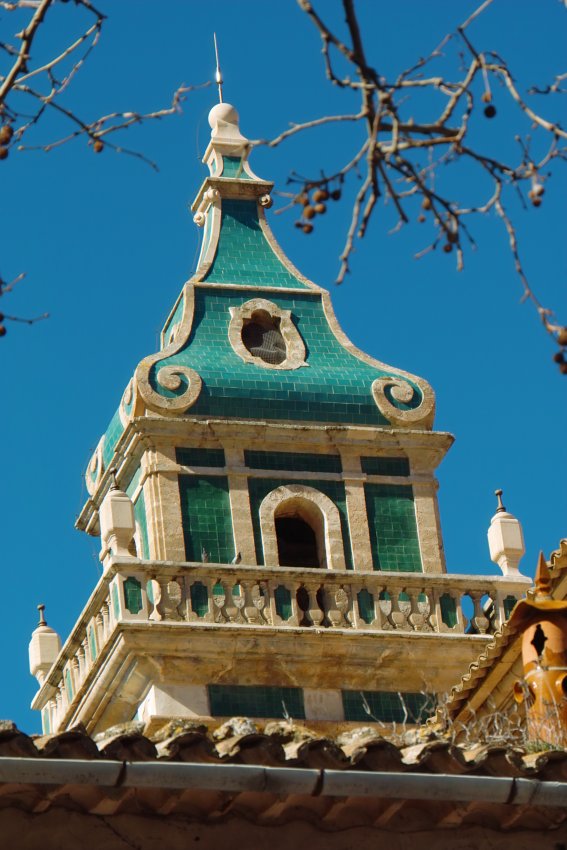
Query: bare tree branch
point(395, 142)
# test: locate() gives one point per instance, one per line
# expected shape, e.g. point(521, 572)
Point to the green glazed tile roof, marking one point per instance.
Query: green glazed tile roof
point(244, 255)
point(334, 387)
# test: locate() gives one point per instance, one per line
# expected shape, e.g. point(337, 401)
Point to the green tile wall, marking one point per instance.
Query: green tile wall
point(200, 457)
point(385, 465)
point(393, 528)
point(388, 707)
point(132, 589)
point(232, 167)
point(243, 254)
point(335, 490)
point(292, 461)
point(255, 701)
point(206, 517)
point(199, 598)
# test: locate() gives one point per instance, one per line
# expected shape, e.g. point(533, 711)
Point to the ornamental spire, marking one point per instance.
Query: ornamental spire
point(218, 75)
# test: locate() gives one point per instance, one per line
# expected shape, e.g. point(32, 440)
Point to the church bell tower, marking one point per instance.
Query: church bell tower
point(266, 504)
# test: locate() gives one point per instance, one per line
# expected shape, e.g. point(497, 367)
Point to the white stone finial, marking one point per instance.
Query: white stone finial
point(44, 648)
point(223, 120)
point(117, 523)
point(505, 539)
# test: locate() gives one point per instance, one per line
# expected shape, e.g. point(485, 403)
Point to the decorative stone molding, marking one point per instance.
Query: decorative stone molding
point(240, 316)
point(400, 389)
point(95, 469)
point(170, 377)
point(316, 509)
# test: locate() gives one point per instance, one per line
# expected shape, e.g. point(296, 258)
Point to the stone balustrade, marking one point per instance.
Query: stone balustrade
point(205, 595)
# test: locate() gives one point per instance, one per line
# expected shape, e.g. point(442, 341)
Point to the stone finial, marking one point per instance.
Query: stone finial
point(505, 539)
point(44, 648)
point(117, 523)
point(42, 620)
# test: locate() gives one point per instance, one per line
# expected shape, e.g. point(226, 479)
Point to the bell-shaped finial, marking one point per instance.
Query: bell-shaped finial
point(117, 522)
point(45, 645)
point(505, 539)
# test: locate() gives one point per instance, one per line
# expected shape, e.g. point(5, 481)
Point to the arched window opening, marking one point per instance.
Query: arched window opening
point(297, 542)
point(262, 337)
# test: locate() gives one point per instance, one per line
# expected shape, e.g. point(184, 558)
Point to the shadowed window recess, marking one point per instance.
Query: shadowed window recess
point(262, 337)
point(297, 542)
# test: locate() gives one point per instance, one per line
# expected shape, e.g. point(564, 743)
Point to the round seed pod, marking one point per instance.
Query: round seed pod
point(447, 247)
point(320, 195)
point(98, 146)
point(490, 111)
point(320, 209)
point(336, 194)
point(307, 228)
point(426, 203)
point(562, 336)
point(6, 134)
point(3, 152)
point(309, 212)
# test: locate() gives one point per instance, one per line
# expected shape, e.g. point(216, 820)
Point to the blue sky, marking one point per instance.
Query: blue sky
point(107, 243)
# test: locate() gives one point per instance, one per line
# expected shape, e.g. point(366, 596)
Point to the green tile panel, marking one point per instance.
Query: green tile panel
point(255, 701)
point(335, 490)
point(244, 256)
point(206, 517)
point(200, 457)
point(292, 461)
point(232, 167)
point(393, 528)
point(385, 465)
point(387, 707)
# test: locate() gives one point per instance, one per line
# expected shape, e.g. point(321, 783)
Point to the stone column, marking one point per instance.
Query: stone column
point(354, 480)
point(242, 527)
point(163, 504)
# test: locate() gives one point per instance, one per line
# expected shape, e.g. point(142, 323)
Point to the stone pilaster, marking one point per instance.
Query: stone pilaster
point(240, 505)
point(428, 526)
point(163, 507)
point(354, 480)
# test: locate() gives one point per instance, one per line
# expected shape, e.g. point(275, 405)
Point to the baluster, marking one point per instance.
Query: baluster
point(416, 618)
point(81, 658)
point(397, 617)
point(328, 597)
point(499, 613)
point(381, 622)
point(315, 610)
point(75, 674)
point(480, 622)
point(168, 599)
point(99, 629)
point(235, 604)
point(261, 599)
point(436, 615)
point(218, 592)
point(105, 609)
point(253, 603)
point(340, 605)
